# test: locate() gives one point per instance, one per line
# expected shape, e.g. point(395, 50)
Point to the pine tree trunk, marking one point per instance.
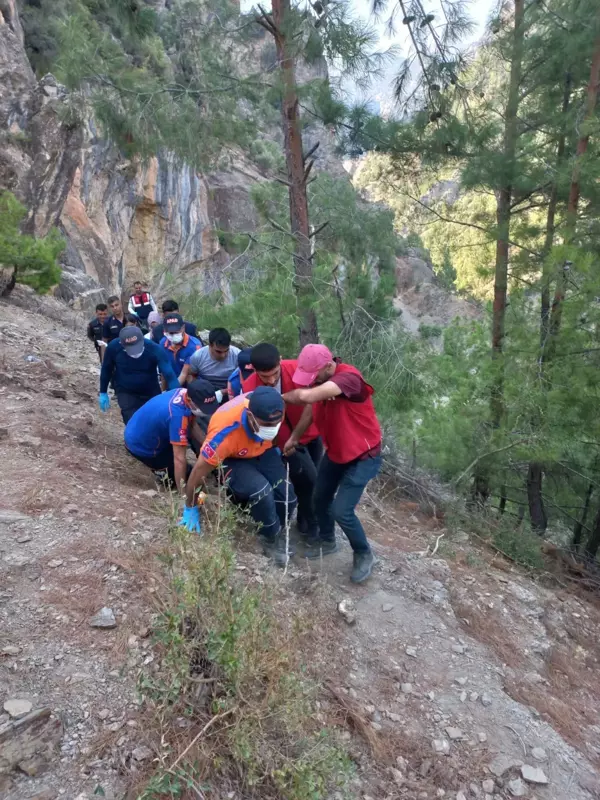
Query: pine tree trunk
point(503, 215)
point(573, 204)
point(537, 512)
point(298, 200)
point(551, 221)
point(593, 543)
point(578, 528)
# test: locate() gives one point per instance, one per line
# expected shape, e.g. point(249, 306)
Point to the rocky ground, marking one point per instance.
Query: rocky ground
point(458, 675)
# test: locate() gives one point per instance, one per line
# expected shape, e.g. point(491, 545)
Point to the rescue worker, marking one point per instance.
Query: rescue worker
point(95, 328)
point(141, 303)
point(243, 371)
point(303, 460)
point(159, 433)
point(116, 321)
point(179, 345)
point(240, 440)
point(154, 319)
point(214, 363)
point(340, 400)
point(171, 307)
point(133, 364)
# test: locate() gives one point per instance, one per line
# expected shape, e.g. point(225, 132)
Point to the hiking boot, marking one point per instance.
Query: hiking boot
point(362, 566)
point(321, 547)
point(275, 549)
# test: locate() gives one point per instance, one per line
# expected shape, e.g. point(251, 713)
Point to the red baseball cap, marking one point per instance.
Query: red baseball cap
point(312, 358)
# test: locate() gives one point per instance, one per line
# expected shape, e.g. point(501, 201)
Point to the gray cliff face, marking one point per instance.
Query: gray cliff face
point(122, 219)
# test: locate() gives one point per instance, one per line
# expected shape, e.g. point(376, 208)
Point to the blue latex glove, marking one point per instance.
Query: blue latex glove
point(103, 401)
point(191, 519)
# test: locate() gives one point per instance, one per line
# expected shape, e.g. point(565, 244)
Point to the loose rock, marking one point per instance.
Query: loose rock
point(105, 618)
point(23, 539)
point(347, 610)
point(387, 607)
point(486, 700)
point(539, 754)
point(454, 733)
point(142, 753)
point(459, 648)
point(517, 788)
point(534, 775)
point(17, 708)
point(502, 764)
point(406, 688)
point(441, 746)
point(488, 786)
point(482, 737)
point(411, 651)
point(11, 650)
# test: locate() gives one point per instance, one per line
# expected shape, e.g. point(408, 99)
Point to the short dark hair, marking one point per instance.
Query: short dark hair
point(170, 305)
point(101, 307)
point(131, 319)
point(135, 283)
point(112, 299)
point(265, 356)
point(220, 336)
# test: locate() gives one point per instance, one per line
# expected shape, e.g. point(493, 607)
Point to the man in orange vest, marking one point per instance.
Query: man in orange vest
point(343, 411)
point(271, 370)
point(240, 439)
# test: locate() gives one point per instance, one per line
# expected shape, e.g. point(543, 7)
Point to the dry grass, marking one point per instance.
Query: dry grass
point(489, 628)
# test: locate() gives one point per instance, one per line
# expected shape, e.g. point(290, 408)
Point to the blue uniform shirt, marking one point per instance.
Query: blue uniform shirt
point(112, 328)
point(180, 353)
point(136, 375)
point(161, 422)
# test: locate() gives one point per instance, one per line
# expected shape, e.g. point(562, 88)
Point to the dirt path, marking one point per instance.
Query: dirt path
point(458, 664)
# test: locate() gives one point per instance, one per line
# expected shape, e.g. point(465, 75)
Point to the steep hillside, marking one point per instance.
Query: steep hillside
point(451, 674)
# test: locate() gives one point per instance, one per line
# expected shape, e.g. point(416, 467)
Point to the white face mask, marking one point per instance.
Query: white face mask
point(175, 338)
point(137, 355)
point(268, 434)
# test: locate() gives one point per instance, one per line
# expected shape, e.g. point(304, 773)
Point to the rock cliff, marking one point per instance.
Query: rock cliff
point(122, 219)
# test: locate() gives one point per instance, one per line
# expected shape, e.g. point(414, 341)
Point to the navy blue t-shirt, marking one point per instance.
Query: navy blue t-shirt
point(136, 375)
point(112, 328)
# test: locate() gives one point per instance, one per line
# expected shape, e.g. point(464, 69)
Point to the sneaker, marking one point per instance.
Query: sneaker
point(362, 567)
point(275, 549)
point(321, 547)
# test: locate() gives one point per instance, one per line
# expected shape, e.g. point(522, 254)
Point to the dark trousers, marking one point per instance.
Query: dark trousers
point(303, 475)
point(129, 403)
point(338, 491)
point(164, 459)
point(260, 485)
point(99, 351)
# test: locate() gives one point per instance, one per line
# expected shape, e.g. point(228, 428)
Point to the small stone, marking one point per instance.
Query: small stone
point(397, 776)
point(387, 607)
point(441, 746)
point(23, 539)
point(60, 393)
point(11, 650)
point(461, 681)
point(347, 610)
point(461, 796)
point(482, 737)
point(425, 767)
point(105, 618)
point(411, 651)
point(394, 717)
point(488, 786)
point(56, 562)
point(534, 775)
point(406, 688)
point(142, 753)
point(459, 648)
point(517, 788)
point(539, 754)
point(104, 714)
point(486, 700)
point(473, 697)
point(376, 726)
point(454, 733)
point(502, 764)
point(463, 697)
point(17, 708)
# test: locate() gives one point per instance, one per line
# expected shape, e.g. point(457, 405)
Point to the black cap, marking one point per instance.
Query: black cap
point(266, 404)
point(172, 323)
point(202, 394)
point(244, 359)
point(132, 340)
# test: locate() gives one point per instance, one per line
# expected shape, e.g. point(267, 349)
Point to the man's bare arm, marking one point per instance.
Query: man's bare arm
point(180, 460)
point(201, 471)
point(303, 425)
point(326, 391)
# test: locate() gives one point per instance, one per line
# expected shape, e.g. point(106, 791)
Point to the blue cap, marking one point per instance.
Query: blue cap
point(266, 404)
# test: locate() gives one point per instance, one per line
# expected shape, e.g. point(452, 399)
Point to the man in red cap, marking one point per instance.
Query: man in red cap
point(343, 411)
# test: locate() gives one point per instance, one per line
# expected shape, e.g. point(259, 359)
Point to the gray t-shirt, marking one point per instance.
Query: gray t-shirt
point(203, 365)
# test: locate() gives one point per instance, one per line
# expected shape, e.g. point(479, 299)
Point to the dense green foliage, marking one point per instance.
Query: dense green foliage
point(36, 260)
